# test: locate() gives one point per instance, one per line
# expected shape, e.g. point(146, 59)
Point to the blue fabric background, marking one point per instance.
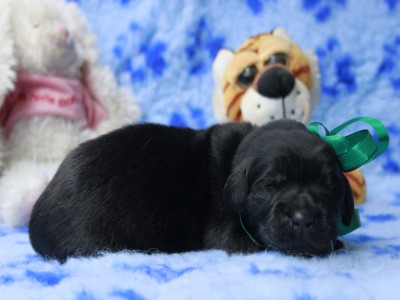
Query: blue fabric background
point(163, 50)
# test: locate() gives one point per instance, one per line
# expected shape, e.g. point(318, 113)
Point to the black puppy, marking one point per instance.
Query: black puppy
point(153, 187)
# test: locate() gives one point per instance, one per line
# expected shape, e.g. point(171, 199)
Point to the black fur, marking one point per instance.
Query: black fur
point(153, 187)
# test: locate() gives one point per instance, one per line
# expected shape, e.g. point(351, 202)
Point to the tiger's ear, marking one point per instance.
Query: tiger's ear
point(281, 33)
point(315, 76)
point(219, 67)
point(220, 64)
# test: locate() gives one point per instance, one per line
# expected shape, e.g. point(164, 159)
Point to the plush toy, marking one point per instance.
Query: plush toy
point(358, 185)
point(268, 78)
point(54, 94)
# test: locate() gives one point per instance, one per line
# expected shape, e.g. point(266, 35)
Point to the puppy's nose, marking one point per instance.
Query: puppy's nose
point(301, 223)
point(276, 82)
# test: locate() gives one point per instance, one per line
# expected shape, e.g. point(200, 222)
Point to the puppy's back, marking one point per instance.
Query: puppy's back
point(131, 182)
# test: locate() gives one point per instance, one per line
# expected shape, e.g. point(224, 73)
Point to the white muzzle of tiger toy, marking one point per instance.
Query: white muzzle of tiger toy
point(276, 94)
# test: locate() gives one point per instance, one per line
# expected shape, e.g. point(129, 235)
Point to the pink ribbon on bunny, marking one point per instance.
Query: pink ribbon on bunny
point(50, 95)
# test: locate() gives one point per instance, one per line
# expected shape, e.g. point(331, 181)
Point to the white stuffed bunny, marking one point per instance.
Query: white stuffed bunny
point(53, 95)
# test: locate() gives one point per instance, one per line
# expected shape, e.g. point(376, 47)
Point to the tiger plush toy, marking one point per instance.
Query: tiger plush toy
point(269, 78)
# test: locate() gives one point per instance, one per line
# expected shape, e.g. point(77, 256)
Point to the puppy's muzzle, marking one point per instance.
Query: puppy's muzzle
point(301, 212)
point(301, 223)
point(274, 81)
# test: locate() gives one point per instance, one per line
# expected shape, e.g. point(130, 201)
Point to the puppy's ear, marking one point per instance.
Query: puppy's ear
point(237, 186)
point(348, 203)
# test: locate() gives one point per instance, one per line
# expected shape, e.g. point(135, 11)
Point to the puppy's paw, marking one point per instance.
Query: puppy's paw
point(338, 245)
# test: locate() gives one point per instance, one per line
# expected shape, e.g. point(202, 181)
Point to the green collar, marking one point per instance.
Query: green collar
point(353, 151)
point(248, 233)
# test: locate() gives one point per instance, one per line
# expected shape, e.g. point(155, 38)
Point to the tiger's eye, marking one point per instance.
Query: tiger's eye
point(277, 58)
point(247, 76)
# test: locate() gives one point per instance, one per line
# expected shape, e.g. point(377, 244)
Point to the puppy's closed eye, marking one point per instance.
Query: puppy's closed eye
point(275, 182)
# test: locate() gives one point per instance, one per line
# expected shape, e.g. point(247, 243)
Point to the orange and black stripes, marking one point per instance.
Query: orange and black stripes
point(232, 94)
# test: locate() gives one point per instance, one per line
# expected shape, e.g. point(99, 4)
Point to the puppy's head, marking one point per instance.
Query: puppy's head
point(288, 186)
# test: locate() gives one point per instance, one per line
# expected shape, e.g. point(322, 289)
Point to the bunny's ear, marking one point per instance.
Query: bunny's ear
point(87, 80)
point(82, 32)
point(96, 112)
point(7, 58)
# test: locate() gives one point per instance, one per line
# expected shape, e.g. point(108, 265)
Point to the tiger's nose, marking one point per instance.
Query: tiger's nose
point(301, 223)
point(275, 82)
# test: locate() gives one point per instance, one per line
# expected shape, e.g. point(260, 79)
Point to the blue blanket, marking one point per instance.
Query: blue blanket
point(163, 50)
